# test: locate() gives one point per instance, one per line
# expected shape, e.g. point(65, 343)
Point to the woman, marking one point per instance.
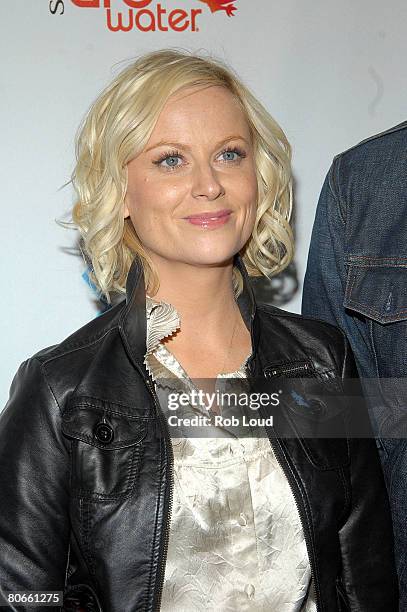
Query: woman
point(183, 183)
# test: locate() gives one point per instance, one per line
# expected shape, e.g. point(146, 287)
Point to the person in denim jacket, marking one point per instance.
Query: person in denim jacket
point(356, 278)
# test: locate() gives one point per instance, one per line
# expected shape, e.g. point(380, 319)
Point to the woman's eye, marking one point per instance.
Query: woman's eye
point(231, 155)
point(171, 161)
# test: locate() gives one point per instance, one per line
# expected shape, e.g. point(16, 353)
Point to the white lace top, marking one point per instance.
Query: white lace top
point(236, 542)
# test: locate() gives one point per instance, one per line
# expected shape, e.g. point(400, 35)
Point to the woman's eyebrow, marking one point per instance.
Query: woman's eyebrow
point(180, 145)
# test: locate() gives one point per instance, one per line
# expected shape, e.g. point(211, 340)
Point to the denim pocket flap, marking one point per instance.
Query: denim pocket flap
point(377, 290)
point(103, 427)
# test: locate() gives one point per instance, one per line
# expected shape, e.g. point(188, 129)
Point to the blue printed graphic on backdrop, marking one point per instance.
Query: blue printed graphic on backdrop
point(104, 304)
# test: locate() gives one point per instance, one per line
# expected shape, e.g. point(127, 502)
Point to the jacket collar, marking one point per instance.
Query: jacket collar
point(133, 324)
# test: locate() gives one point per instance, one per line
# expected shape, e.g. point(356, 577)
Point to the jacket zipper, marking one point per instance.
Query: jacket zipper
point(168, 508)
point(283, 370)
point(279, 455)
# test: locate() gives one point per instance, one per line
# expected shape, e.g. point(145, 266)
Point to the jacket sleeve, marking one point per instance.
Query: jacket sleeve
point(369, 576)
point(325, 277)
point(34, 485)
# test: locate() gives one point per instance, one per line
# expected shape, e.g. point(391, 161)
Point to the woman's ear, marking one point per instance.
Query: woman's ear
point(126, 212)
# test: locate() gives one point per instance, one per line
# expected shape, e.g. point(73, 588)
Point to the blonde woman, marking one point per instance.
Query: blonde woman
point(184, 190)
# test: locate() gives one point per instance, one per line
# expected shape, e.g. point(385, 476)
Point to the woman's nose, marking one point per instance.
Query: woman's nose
point(206, 183)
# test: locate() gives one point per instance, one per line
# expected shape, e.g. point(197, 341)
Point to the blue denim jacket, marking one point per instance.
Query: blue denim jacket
point(356, 278)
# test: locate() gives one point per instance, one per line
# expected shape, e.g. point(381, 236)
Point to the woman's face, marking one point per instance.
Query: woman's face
point(192, 192)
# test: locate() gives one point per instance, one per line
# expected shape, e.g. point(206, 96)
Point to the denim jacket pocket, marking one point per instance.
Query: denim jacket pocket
point(106, 448)
point(376, 287)
point(376, 290)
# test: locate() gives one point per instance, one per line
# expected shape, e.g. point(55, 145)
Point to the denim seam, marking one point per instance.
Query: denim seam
point(376, 260)
point(366, 309)
point(332, 182)
point(397, 128)
point(349, 288)
point(373, 312)
point(345, 357)
point(370, 325)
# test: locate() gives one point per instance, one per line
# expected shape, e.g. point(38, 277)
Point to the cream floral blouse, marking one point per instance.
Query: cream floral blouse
point(236, 542)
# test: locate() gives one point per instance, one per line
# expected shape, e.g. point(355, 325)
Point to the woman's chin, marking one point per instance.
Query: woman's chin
point(210, 259)
point(199, 253)
point(212, 252)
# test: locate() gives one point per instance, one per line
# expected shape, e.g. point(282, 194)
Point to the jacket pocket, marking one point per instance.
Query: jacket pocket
point(312, 408)
point(376, 293)
point(377, 288)
point(107, 447)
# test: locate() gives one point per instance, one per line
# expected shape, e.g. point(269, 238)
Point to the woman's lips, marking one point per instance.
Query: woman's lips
point(210, 219)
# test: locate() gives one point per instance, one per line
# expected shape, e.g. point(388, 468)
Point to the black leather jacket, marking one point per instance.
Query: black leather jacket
point(86, 468)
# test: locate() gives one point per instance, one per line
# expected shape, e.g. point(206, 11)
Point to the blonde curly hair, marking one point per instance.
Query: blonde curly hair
point(116, 129)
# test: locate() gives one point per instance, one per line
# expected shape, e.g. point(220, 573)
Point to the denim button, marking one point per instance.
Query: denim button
point(104, 433)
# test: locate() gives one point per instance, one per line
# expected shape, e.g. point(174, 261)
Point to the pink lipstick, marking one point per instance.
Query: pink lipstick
point(210, 219)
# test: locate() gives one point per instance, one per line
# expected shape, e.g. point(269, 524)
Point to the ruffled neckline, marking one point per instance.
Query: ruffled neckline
point(163, 321)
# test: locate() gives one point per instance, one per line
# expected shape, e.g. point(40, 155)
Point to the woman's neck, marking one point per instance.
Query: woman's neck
point(213, 337)
point(198, 293)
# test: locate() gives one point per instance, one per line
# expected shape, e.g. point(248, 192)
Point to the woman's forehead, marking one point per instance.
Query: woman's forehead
point(194, 110)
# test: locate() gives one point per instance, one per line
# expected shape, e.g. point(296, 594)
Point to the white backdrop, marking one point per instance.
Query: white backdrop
point(330, 72)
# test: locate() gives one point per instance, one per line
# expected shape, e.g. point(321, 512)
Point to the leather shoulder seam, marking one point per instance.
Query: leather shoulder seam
point(62, 351)
point(51, 391)
point(274, 311)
